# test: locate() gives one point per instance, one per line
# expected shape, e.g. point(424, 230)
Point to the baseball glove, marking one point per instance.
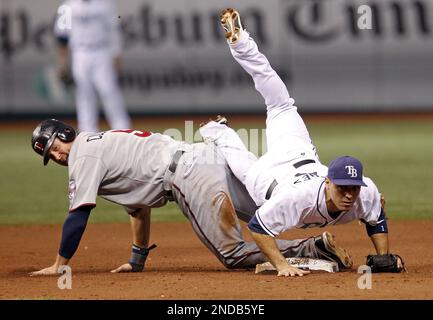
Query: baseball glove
point(385, 263)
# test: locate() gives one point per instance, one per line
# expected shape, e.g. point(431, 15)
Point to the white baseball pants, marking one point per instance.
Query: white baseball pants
point(94, 74)
point(288, 139)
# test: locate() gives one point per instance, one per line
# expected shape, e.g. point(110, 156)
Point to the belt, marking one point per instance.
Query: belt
point(275, 183)
point(175, 160)
point(172, 168)
point(271, 188)
point(303, 163)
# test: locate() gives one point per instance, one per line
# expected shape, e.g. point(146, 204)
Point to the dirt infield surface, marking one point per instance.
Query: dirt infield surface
point(182, 268)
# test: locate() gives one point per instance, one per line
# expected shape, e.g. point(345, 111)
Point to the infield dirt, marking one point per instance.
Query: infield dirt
point(181, 267)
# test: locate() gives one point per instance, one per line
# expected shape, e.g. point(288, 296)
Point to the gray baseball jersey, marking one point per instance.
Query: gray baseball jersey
point(122, 166)
point(131, 168)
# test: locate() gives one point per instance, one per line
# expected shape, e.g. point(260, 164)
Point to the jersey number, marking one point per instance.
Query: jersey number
point(137, 133)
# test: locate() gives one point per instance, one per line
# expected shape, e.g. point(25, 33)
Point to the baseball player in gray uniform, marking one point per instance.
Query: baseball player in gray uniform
point(291, 186)
point(94, 40)
point(142, 170)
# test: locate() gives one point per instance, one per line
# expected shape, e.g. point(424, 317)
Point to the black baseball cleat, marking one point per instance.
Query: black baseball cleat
point(327, 249)
point(219, 119)
point(231, 22)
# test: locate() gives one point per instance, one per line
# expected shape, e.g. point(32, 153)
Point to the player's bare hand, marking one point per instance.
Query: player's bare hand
point(292, 272)
point(123, 268)
point(46, 271)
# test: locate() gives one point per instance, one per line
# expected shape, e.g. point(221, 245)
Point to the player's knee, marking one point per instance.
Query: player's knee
point(107, 88)
point(227, 212)
point(228, 263)
point(231, 264)
point(229, 230)
point(105, 93)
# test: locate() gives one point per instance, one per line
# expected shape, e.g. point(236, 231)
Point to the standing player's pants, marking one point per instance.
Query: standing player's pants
point(200, 187)
point(94, 74)
point(288, 139)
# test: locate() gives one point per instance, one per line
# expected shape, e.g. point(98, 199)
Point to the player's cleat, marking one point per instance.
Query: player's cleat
point(219, 119)
point(222, 120)
point(231, 22)
point(328, 249)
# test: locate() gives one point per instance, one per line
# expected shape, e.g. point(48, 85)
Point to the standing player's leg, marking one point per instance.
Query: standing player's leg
point(106, 83)
point(85, 96)
point(285, 128)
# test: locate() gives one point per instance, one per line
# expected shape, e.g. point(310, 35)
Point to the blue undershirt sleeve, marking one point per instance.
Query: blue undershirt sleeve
point(380, 227)
point(255, 226)
point(73, 229)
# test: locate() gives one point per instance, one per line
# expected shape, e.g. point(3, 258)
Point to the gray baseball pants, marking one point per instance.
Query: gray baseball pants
point(208, 195)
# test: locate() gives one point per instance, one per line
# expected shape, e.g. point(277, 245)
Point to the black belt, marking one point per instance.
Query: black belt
point(172, 168)
point(303, 163)
point(175, 160)
point(271, 188)
point(275, 183)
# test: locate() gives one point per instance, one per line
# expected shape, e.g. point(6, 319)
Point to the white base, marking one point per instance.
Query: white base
point(303, 263)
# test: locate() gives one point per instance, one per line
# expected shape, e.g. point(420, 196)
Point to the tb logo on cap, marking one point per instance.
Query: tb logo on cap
point(351, 171)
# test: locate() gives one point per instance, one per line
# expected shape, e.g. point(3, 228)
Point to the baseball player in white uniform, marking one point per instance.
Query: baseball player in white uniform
point(93, 37)
point(141, 170)
point(291, 186)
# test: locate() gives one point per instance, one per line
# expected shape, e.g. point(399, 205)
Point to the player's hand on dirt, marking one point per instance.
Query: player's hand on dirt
point(54, 269)
point(292, 272)
point(123, 268)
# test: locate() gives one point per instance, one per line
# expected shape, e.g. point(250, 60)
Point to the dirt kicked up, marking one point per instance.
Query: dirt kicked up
point(182, 268)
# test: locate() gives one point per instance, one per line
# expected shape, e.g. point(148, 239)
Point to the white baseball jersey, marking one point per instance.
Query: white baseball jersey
point(94, 26)
point(291, 155)
point(303, 206)
point(123, 166)
point(298, 200)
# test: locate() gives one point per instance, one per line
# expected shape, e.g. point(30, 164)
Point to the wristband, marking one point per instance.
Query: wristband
point(138, 257)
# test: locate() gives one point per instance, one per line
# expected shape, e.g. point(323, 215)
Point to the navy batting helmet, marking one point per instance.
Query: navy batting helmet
point(45, 134)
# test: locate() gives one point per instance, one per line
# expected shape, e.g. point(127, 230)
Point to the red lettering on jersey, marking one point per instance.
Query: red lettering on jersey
point(142, 133)
point(137, 133)
point(125, 131)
